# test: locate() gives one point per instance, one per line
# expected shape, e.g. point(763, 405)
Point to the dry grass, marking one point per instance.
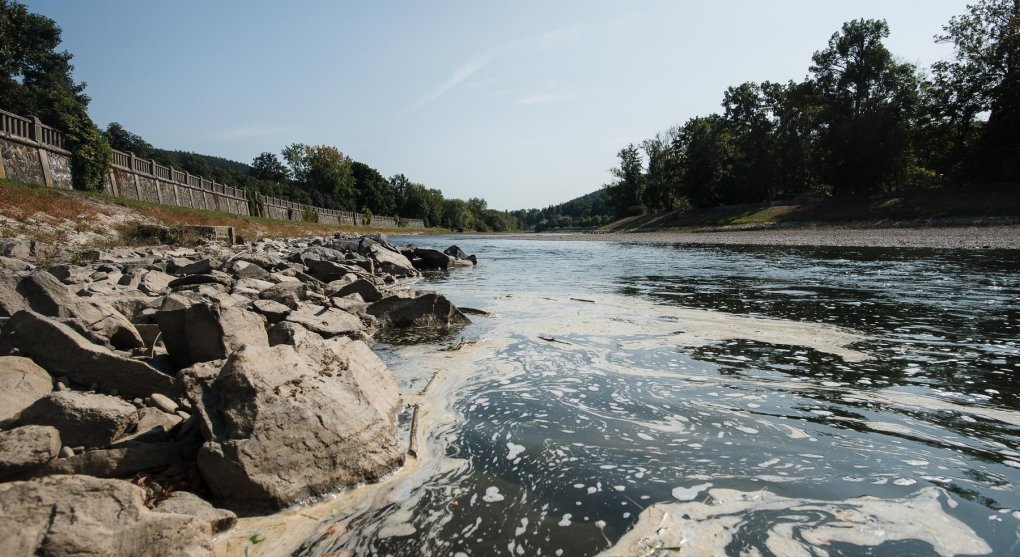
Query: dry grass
point(24, 206)
point(23, 202)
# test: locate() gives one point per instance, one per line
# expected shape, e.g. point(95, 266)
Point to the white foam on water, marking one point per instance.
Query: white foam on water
point(689, 493)
point(797, 527)
point(492, 495)
point(513, 450)
point(565, 521)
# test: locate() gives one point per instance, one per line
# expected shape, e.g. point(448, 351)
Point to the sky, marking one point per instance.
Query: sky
point(523, 103)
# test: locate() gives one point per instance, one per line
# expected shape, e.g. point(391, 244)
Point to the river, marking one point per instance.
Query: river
point(737, 400)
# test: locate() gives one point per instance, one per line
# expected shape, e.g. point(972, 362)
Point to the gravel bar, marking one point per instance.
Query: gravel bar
point(957, 237)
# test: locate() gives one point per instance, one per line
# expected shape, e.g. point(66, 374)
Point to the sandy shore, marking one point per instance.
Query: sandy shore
point(963, 237)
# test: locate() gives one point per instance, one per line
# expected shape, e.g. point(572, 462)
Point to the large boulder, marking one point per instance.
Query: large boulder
point(428, 310)
point(22, 382)
point(391, 262)
point(26, 448)
point(368, 291)
point(63, 352)
point(431, 259)
point(83, 419)
point(91, 517)
point(283, 426)
point(46, 295)
point(206, 331)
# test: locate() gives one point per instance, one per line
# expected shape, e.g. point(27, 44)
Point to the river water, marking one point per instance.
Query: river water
point(715, 400)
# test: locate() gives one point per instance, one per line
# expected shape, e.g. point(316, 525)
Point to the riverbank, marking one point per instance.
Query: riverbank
point(941, 237)
point(141, 385)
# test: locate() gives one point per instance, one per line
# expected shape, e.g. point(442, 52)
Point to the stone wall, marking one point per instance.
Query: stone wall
point(146, 185)
point(24, 162)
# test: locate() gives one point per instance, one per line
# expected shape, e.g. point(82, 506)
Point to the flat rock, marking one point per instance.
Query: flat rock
point(22, 382)
point(273, 311)
point(289, 294)
point(283, 427)
point(92, 517)
point(63, 352)
point(154, 283)
point(183, 502)
point(83, 419)
point(26, 448)
point(328, 322)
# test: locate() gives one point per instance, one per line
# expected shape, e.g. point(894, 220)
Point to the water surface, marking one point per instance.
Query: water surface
point(582, 404)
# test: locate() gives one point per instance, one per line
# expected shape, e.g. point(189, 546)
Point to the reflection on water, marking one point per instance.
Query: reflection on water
point(561, 446)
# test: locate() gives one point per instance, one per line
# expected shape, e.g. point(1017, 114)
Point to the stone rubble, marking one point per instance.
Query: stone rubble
point(143, 387)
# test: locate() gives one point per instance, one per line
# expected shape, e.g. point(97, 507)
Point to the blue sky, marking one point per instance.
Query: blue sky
point(524, 103)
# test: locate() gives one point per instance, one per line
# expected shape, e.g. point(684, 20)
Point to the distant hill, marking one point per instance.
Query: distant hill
point(588, 211)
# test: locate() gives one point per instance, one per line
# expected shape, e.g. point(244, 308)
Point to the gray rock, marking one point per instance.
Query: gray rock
point(62, 351)
point(48, 296)
point(22, 382)
point(91, 517)
point(214, 277)
point(454, 251)
point(26, 448)
point(206, 331)
point(432, 259)
point(155, 283)
point(13, 264)
point(290, 294)
point(248, 270)
point(164, 403)
point(87, 419)
point(326, 321)
point(427, 310)
point(154, 426)
point(183, 502)
point(122, 462)
point(365, 288)
point(391, 262)
point(284, 427)
point(201, 267)
point(272, 310)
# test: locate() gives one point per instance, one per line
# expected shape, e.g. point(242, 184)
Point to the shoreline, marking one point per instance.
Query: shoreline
point(1005, 237)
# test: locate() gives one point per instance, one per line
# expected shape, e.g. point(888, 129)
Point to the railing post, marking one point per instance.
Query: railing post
point(35, 133)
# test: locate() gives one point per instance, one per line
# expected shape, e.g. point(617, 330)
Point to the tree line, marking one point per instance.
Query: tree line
point(861, 122)
point(323, 176)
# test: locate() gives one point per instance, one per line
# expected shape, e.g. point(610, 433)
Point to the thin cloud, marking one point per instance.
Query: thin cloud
point(473, 66)
point(458, 77)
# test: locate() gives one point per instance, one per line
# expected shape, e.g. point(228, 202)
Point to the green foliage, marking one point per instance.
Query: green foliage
point(268, 167)
point(36, 79)
point(983, 76)
point(366, 216)
point(123, 140)
point(309, 215)
point(861, 123)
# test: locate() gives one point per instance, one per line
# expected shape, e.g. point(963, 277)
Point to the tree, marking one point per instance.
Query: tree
point(868, 100)
point(123, 140)
point(663, 177)
point(984, 76)
point(35, 79)
point(705, 159)
point(323, 168)
point(372, 190)
point(268, 167)
point(628, 190)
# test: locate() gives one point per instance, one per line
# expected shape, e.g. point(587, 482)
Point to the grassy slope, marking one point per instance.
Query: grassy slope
point(975, 205)
point(19, 202)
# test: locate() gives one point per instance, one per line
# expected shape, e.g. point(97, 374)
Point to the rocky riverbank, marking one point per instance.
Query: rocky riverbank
point(153, 393)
